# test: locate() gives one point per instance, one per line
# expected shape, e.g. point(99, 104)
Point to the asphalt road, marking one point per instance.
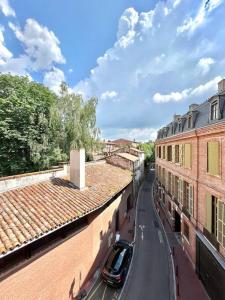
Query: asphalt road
point(149, 272)
point(149, 276)
point(101, 291)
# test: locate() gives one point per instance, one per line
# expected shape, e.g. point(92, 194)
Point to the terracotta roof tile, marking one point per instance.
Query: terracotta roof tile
point(31, 211)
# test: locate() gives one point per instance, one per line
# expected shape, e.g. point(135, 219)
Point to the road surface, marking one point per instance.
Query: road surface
point(149, 276)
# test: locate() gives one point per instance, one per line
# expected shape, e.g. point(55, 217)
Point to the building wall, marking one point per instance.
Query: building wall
point(60, 273)
point(198, 177)
point(120, 162)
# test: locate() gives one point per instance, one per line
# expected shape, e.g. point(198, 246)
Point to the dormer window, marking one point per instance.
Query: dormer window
point(214, 110)
point(189, 123)
point(179, 126)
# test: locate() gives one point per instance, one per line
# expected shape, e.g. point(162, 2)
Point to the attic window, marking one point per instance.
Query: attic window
point(179, 126)
point(189, 124)
point(214, 110)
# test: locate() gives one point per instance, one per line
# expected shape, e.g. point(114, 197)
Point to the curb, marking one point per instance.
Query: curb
point(174, 293)
point(134, 241)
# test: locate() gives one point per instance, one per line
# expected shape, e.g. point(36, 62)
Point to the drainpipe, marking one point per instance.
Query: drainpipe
point(197, 137)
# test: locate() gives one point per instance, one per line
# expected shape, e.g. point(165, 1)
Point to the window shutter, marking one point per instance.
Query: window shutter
point(187, 155)
point(180, 191)
point(173, 153)
point(181, 154)
point(191, 200)
point(208, 221)
point(213, 158)
point(166, 152)
point(220, 208)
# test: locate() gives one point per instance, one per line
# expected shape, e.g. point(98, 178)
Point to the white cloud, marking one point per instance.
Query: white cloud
point(176, 3)
point(204, 64)
point(126, 28)
point(210, 86)
point(70, 70)
point(6, 8)
point(4, 52)
point(172, 97)
point(53, 79)
point(191, 24)
point(153, 65)
point(41, 44)
point(138, 134)
point(109, 95)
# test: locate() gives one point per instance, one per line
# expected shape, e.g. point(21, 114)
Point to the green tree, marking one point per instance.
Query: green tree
point(149, 150)
point(76, 120)
point(25, 136)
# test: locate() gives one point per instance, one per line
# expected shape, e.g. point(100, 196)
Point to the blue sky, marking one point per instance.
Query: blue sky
point(144, 60)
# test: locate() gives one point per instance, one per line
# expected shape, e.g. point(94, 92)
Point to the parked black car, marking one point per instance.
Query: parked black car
point(116, 267)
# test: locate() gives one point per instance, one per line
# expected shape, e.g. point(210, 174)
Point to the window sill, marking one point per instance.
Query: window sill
point(214, 176)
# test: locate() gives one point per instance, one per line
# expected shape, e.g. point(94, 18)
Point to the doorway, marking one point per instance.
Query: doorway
point(177, 222)
point(117, 221)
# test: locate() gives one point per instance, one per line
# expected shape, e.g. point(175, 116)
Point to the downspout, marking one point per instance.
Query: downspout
point(197, 181)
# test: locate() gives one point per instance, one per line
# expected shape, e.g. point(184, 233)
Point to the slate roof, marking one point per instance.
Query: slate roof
point(29, 212)
point(200, 117)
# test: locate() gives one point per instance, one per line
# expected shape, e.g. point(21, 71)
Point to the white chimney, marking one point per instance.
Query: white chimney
point(77, 168)
point(221, 86)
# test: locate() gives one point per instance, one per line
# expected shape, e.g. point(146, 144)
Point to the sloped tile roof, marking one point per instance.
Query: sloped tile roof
point(128, 156)
point(29, 212)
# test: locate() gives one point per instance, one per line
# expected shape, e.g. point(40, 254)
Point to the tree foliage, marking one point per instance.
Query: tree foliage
point(38, 128)
point(149, 150)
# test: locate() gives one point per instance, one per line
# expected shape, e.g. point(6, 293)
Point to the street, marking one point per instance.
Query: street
point(149, 276)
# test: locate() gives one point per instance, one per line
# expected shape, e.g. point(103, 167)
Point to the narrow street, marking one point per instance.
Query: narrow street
point(149, 276)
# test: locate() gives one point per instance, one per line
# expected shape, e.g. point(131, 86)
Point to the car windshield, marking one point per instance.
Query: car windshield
point(115, 259)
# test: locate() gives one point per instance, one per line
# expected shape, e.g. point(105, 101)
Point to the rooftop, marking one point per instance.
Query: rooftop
point(29, 212)
point(198, 116)
point(128, 156)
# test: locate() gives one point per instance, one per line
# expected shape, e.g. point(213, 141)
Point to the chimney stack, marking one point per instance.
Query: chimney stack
point(192, 107)
point(221, 86)
point(176, 117)
point(77, 168)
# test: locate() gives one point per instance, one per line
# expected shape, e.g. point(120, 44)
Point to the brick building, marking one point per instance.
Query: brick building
point(190, 186)
point(57, 226)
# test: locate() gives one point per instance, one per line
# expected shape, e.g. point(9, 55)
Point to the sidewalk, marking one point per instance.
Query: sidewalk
point(189, 287)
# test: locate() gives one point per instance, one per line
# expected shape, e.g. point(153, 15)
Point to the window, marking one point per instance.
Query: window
point(189, 122)
point(164, 152)
point(169, 183)
point(179, 126)
point(188, 197)
point(187, 156)
point(214, 110)
point(169, 153)
point(211, 214)
point(159, 151)
point(213, 158)
point(186, 230)
point(176, 153)
point(180, 191)
point(176, 179)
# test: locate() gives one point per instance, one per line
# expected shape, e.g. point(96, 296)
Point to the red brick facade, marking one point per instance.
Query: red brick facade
point(197, 176)
point(61, 272)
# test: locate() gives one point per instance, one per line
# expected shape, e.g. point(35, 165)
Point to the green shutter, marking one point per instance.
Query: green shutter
point(213, 158)
point(191, 200)
point(180, 191)
point(173, 153)
point(208, 220)
point(187, 155)
point(181, 154)
point(220, 208)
